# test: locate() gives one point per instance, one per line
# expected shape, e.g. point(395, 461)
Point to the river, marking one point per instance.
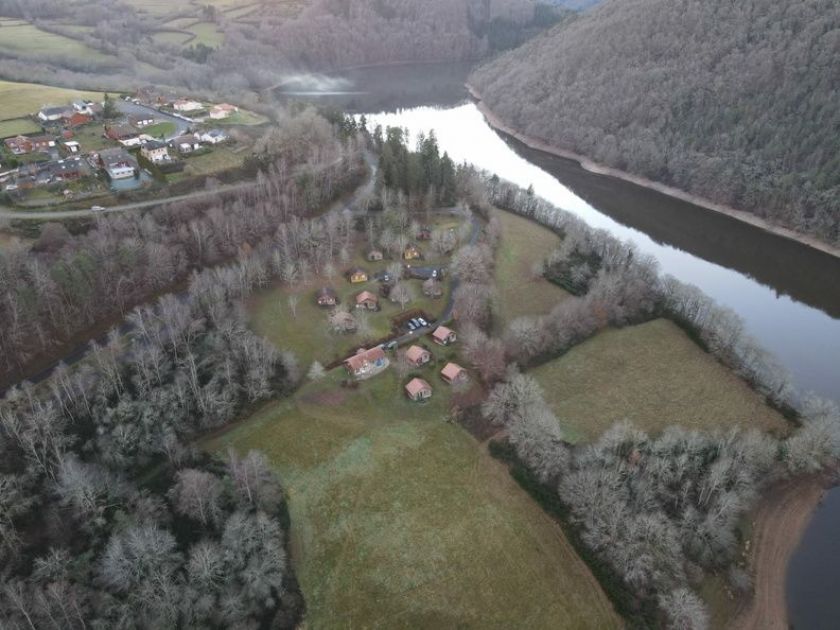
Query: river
point(786, 293)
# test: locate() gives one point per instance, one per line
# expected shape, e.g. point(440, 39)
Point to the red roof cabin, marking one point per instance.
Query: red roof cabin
point(444, 336)
point(367, 301)
point(417, 356)
point(454, 374)
point(418, 390)
point(366, 363)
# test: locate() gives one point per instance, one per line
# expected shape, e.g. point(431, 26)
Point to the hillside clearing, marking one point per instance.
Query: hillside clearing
point(524, 244)
point(400, 518)
point(654, 376)
point(32, 41)
point(21, 99)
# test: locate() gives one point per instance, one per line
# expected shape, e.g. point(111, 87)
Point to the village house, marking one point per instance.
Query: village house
point(185, 144)
point(412, 252)
point(418, 390)
point(67, 170)
point(454, 374)
point(54, 114)
point(222, 111)
point(417, 356)
point(84, 107)
point(357, 275)
point(155, 152)
point(187, 105)
point(367, 363)
point(326, 297)
point(214, 136)
point(77, 119)
point(117, 163)
point(71, 146)
point(125, 135)
point(367, 301)
point(375, 255)
point(444, 336)
point(20, 145)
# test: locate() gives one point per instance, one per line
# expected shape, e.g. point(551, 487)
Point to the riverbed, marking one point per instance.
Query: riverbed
point(786, 292)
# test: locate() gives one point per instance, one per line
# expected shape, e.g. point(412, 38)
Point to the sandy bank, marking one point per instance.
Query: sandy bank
point(593, 167)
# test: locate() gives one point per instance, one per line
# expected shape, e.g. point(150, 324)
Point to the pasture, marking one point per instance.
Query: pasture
point(18, 100)
point(524, 244)
point(18, 126)
point(27, 39)
point(400, 519)
point(653, 375)
point(206, 33)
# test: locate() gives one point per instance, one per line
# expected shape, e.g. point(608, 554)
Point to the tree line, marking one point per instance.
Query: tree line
point(730, 101)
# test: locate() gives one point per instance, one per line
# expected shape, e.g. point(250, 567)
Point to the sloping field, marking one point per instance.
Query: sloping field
point(18, 126)
point(401, 520)
point(654, 376)
point(207, 33)
point(524, 243)
point(21, 99)
point(32, 41)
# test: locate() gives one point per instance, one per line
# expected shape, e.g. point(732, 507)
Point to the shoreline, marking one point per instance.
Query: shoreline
point(599, 169)
point(779, 524)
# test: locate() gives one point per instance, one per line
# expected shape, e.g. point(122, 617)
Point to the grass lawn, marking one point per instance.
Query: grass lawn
point(523, 244)
point(91, 139)
point(400, 519)
point(170, 37)
point(22, 99)
point(18, 126)
point(161, 129)
point(654, 376)
point(242, 117)
point(218, 159)
point(182, 22)
point(32, 41)
point(207, 33)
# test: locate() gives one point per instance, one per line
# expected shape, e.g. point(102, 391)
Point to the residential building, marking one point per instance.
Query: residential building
point(187, 105)
point(214, 136)
point(367, 363)
point(418, 390)
point(444, 336)
point(84, 107)
point(220, 112)
point(124, 134)
point(412, 252)
point(54, 114)
point(357, 275)
point(417, 356)
point(71, 146)
point(77, 119)
point(21, 145)
point(367, 300)
point(375, 255)
point(454, 374)
point(326, 297)
point(117, 163)
point(155, 152)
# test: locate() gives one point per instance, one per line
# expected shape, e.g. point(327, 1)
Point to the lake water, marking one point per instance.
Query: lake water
point(787, 294)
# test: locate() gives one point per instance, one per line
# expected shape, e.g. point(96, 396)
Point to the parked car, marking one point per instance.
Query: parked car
point(423, 322)
point(390, 346)
point(97, 209)
point(412, 326)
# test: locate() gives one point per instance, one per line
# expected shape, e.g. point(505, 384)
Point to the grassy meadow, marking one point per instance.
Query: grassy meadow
point(18, 126)
point(653, 375)
point(524, 243)
point(21, 99)
point(206, 33)
point(30, 40)
point(400, 519)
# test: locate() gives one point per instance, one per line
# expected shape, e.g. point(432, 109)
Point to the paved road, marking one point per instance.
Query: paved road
point(128, 108)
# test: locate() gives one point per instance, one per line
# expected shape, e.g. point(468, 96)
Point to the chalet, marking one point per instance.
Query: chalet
point(366, 363)
point(357, 275)
point(186, 105)
point(412, 252)
point(155, 152)
point(220, 112)
point(214, 136)
point(444, 336)
point(125, 135)
point(117, 163)
point(326, 297)
point(141, 120)
point(54, 114)
point(367, 301)
point(454, 374)
point(375, 255)
point(418, 390)
point(417, 356)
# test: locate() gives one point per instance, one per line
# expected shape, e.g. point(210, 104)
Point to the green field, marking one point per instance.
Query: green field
point(523, 244)
point(218, 159)
point(654, 376)
point(400, 519)
point(171, 38)
point(242, 117)
point(206, 33)
point(22, 99)
point(156, 7)
point(161, 129)
point(18, 126)
point(33, 42)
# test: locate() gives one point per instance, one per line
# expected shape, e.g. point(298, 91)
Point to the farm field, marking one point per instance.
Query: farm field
point(206, 33)
point(400, 519)
point(524, 244)
point(18, 126)
point(219, 159)
point(28, 39)
point(242, 117)
point(22, 99)
point(171, 38)
point(155, 7)
point(653, 375)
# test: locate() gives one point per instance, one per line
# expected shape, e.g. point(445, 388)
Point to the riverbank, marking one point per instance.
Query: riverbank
point(599, 169)
point(778, 526)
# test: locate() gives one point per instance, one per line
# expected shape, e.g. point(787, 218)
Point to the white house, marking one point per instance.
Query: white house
point(220, 112)
point(52, 114)
point(214, 136)
point(155, 152)
point(186, 105)
point(83, 107)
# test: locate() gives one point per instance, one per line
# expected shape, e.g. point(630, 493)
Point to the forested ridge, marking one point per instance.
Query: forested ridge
point(734, 101)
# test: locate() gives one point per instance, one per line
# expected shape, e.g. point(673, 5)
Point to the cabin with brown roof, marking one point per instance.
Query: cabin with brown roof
point(454, 374)
point(357, 275)
point(367, 300)
point(444, 336)
point(417, 356)
point(375, 255)
point(326, 297)
point(366, 363)
point(418, 390)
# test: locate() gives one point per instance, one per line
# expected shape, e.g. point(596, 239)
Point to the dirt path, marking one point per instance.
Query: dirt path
point(593, 167)
point(778, 526)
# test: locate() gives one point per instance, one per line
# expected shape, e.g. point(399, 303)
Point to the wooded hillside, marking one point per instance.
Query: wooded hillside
point(734, 101)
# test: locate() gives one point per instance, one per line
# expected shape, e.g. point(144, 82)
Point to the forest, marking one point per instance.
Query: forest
point(729, 101)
